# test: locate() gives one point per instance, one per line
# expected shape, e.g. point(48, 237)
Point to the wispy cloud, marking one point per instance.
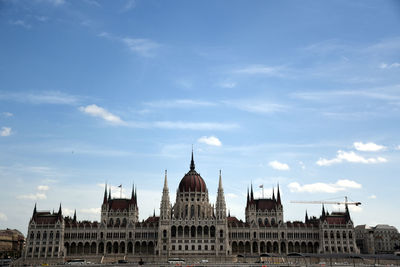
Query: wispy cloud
point(5, 131)
point(44, 97)
point(279, 166)
point(3, 217)
point(227, 84)
point(20, 23)
point(96, 111)
point(211, 140)
point(389, 66)
point(372, 197)
point(179, 103)
point(141, 46)
point(129, 4)
point(43, 187)
point(256, 106)
point(351, 156)
point(372, 147)
point(54, 2)
point(7, 114)
point(36, 196)
point(340, 185)
point(91, 211)
point(261, 70)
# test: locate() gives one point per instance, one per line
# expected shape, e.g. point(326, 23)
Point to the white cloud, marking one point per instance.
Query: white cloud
point(256, 106)
point(3, 217)
point(43, 187)
point(7, 114)
point(231, 195)
point(340, 185)
point(68, 212)
point(143, 47)
point(46, 97)
point(368, 146)
point(129, 5)
point(54, 2)
point(227, 84)
point(5, 131)
point(302, 165)
point(342, 208)
point(179, 103)
point(97, 111)
point(21, 23)
point(33, 196)
point(349, 157)
point(389, 66)
point(372, 197)
point(278, 165)
point(261, 69)
point(91, 211)
point(212, 141)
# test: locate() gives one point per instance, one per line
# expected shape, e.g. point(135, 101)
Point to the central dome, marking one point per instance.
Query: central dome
point(192, 181)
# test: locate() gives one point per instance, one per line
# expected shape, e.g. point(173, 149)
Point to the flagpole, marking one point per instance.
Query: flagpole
point(120, 192)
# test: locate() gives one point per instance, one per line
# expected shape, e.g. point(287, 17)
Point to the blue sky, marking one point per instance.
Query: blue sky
point(301, 93)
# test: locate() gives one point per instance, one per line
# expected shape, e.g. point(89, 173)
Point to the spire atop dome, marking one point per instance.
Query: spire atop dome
point(192, 166)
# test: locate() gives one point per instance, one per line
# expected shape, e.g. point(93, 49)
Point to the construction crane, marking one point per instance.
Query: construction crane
point(329, 202)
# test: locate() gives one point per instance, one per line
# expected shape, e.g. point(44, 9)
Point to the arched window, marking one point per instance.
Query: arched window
point(111, 222)
point(221, 233)
point(192, 211)
point(337, 234)
point(266, 221)
point(57, 235)
point(32, 235)
point(186, 210)
point(38, 235)
point(272, 221)
point(259, 221)
point(326, 234)
point(198, 211)
point(173, 231)
point(51, 234)
point(165, 233)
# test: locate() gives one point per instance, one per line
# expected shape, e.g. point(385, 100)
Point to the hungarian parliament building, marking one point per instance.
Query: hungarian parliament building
point(190, 228)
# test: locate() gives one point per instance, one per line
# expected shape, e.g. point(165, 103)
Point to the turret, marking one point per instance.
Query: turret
point(220, 205)
point(105, 195)
point(279, 196)
point(165, 207)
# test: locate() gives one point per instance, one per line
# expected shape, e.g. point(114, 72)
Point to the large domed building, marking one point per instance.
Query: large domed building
point(192, 228)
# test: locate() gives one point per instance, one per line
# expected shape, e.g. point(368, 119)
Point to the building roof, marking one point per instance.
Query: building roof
point(192, 181)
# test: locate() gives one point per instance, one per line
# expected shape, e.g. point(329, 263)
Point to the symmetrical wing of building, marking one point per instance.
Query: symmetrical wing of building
point(191, 227)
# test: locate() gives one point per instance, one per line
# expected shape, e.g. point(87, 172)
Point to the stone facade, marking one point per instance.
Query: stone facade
point(192, 227)
point(380, 239)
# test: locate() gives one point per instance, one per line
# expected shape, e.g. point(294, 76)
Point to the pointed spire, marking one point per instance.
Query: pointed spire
point(273, 193)
point(347, 213)
point(279, 196)
point(192, 166)
point(248, 197)
point(136, 195)
point(229, 213)
point(306, 219)
point(220, 181)
point(166, 180)
point(105, 194)
point(34, 210)
point(74, 216)
point(154, 212)
point(251, 193)
point(133, 191)
point(323, 211)
point(60, 210)
point(109, 193)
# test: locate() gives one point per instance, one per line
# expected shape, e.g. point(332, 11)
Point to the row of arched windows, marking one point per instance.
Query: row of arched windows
point(45, 235)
